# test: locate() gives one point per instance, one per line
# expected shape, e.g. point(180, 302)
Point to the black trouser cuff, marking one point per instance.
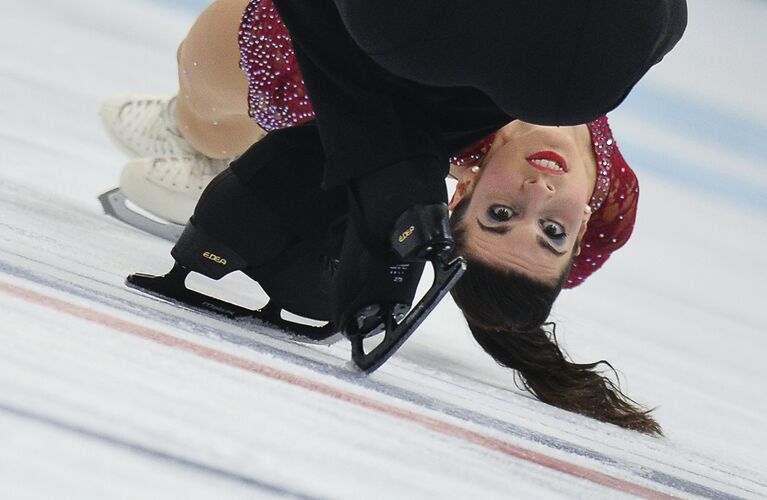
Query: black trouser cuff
point(380, 198)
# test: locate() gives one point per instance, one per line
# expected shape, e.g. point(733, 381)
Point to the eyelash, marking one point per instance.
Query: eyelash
point(558, 237)
point(494, 216)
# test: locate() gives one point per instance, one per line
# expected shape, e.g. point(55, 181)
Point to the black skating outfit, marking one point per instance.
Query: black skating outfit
point(397, 86)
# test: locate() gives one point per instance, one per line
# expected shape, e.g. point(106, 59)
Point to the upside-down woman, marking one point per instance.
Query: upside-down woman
point(536, 208)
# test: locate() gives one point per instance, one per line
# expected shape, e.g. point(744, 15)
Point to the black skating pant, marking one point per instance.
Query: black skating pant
point(269, 209)
point(406, 82)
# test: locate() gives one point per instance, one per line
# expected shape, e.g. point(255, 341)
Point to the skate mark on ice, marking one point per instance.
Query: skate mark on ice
point(433, 424)
point(185, 323)
point(151, 452)
point(637, 470)
point(248, 340)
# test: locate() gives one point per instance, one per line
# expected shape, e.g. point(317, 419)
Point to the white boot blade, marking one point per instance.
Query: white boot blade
point(114, 204)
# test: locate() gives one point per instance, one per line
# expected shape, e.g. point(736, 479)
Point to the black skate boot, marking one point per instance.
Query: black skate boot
point(374, 291)
point(220, 239)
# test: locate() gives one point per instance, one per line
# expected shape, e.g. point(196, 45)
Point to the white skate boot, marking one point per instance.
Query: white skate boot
point(169, 186)
point(144, 126)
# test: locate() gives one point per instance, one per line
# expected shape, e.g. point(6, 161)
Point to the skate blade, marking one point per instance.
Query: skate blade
point(396, 333)
point(114, 204)
point(171, 288)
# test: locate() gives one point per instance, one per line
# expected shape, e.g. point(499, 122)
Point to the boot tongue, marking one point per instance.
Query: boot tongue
point(422, 232)
point(174, 133)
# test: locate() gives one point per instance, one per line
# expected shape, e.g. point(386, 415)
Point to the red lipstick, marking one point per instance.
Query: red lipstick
point(547, 161)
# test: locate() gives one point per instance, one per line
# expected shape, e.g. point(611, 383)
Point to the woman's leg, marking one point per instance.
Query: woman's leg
point(212, 104)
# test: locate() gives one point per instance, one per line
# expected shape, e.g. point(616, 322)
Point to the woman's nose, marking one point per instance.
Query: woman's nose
point(539, 184)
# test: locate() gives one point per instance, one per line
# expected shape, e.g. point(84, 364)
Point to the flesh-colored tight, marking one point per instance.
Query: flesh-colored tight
point(212, 104)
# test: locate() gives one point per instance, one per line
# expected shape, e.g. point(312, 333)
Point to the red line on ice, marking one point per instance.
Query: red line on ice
point(431, 423)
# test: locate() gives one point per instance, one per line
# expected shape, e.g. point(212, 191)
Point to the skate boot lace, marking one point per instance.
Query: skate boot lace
point(186, 173)
point(153, 124)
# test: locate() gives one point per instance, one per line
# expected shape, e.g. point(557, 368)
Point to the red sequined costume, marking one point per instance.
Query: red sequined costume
point(277, 99)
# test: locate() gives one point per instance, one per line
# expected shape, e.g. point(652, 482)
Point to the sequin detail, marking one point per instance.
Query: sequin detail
point(613, 204)
point(474, 153)
point(604, 147)
point(277, 96)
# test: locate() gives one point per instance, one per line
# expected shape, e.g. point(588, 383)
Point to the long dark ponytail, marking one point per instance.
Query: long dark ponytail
point(506, 312)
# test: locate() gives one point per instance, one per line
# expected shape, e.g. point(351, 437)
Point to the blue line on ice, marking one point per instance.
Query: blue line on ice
point(697, 120)
point(145, 450)
point(185, 322)
point(188, 6)
point(735, 190)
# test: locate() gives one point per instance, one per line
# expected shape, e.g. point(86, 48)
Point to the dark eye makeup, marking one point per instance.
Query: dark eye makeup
point(500, 213)
point(553, 230)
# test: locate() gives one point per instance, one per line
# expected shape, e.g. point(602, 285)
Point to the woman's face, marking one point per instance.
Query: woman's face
point(529, 201)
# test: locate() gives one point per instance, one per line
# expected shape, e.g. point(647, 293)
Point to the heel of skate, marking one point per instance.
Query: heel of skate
point(422, 234)
point(201, 253)
point(197, 252)
point(115, 204)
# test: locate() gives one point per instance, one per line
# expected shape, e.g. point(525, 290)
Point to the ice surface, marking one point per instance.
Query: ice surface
point(105, 393)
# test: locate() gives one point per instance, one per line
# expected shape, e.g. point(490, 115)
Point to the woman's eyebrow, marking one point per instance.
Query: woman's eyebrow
point(545, 244)
point(493, 229)
point(505, 229)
